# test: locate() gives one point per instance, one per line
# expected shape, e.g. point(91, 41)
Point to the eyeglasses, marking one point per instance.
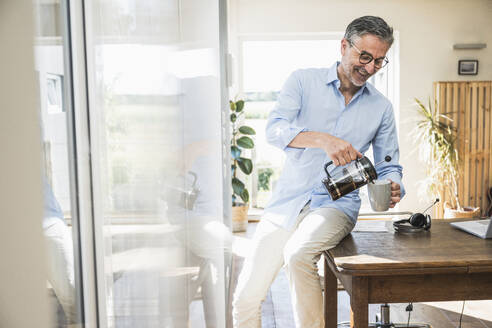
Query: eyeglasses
point(365, 58)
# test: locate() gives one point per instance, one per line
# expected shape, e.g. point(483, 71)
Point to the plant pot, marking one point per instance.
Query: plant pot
point(240, 218)
point(466, 213)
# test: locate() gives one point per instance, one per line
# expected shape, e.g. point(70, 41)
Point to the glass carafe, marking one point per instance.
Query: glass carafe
point(351, 177)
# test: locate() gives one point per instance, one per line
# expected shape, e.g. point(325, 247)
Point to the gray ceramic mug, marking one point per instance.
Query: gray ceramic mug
point(379, 195)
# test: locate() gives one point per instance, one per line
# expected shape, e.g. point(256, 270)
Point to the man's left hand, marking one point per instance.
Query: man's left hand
point(395, 193)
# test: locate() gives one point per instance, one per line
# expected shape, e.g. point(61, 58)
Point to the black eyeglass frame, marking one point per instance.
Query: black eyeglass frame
point(384, 59)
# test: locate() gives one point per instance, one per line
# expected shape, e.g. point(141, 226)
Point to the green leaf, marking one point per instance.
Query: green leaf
point(245, 142)
point(232, 105)
point(245, 195)
point(264, 176)
point(247, 130)
point(233, 117)
point(235, 152)
point(436, 141)
point(239, 105)
point(237, 186)
point(245, 164)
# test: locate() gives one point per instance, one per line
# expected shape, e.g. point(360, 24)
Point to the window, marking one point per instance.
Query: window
point(60, 222)
point(142, 98)
point(155, 109)
point(264, 65)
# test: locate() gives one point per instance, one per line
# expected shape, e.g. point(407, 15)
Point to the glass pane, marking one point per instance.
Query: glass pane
point(266, 66)
point(59, 215)
point(156, 118)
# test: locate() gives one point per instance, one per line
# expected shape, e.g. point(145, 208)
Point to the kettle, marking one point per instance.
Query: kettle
point(353, 176)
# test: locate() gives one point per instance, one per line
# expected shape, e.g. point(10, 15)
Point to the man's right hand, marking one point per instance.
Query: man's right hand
point(340, 151)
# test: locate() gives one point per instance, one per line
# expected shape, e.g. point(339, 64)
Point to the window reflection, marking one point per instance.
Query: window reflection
point(59, 246)
point(57, 219)
point(156, 111)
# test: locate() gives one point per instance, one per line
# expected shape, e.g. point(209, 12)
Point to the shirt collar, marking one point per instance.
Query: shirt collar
point(332, 76)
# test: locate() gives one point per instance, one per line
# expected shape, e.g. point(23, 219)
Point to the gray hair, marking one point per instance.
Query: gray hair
point(369, 25)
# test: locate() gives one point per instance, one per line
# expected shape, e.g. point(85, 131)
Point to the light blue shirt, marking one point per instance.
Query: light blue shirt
point(310, 100)
point(52, 210)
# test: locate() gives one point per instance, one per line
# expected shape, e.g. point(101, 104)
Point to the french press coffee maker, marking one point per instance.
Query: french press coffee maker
point(353, 176)
point(182, 197)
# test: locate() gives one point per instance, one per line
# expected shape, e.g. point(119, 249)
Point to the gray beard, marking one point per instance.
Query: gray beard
point(346, 70)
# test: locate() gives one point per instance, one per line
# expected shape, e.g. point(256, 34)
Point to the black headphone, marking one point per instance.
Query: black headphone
point(417, 222)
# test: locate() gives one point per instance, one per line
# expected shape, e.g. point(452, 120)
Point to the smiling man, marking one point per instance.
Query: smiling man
point(321, 115)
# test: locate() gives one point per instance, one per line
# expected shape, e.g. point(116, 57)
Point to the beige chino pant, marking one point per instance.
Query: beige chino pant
point(299, 250)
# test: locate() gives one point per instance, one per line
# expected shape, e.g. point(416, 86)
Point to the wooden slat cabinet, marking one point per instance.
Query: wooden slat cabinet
point(468, 104)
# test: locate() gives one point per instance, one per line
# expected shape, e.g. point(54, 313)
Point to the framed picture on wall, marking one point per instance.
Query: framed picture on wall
point(468, 67)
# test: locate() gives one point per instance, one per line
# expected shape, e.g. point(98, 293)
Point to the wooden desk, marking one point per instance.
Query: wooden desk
point(444, 264)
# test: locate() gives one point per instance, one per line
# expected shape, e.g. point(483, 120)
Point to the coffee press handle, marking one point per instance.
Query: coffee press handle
point(195, 177)
point(331, 162)
point(326, 168)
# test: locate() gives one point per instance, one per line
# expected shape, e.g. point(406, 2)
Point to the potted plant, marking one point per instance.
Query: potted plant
point(240, 141)
point(437, 149)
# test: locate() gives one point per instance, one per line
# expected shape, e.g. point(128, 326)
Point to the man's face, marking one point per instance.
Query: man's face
point(356, 72)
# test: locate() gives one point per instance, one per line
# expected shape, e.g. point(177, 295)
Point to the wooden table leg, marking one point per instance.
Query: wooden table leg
point(359, 303)
point(331, 301)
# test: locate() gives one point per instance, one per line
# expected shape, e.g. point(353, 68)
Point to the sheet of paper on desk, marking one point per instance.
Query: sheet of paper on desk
point(370, 226)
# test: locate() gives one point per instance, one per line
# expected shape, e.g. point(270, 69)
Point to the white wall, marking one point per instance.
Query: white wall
point(23, 297)
point(427, 32)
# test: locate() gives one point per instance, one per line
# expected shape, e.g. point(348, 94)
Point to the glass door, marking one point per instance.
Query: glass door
point(60, 220)
point(154, 79)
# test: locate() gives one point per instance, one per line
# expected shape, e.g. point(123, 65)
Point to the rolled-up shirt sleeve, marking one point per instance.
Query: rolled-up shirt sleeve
point(386, 143)
point(282, 125)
